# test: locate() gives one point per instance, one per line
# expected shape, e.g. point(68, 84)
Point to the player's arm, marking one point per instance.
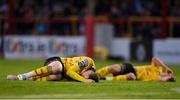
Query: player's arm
point(74, 75)
point(157, 62)
point(84, 64)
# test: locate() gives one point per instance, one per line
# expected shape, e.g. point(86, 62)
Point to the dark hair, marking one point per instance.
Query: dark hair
point(94, 77)
point(172, 79)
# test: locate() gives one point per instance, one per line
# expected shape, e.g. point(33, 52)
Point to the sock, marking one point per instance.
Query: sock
point(34, 78)
point(42, 79)
point(27, 75)
point(119, 77)
point(38, 78)
point(102, 72)
point(43, 71)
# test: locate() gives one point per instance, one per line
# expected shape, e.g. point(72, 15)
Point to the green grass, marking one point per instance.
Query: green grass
point(63, 89)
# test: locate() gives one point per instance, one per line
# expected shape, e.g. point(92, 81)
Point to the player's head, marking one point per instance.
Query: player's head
point(166, 77)
point(90, 74)
point(171, 77)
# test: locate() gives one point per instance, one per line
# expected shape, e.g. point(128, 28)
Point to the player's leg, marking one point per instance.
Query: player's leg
point(128, 76)
point(116, 70)
point(53, 77)
point(54, 67)
point(112, 69)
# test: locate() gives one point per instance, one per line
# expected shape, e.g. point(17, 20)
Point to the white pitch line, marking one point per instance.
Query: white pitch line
point(176, 89)
point(86, 95)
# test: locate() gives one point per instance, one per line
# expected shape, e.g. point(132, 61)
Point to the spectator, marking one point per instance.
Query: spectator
point(175, 11)
point(3, 8)
point(102, 7)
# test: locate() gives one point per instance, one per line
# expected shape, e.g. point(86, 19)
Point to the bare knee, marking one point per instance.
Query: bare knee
point(114, 69)
point(56, 67)
point(55, 77)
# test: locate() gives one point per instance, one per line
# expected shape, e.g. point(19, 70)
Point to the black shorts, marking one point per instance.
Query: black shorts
point(49, 60)
point(126, 68)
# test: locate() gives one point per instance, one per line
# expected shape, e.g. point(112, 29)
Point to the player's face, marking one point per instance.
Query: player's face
point(87, 73)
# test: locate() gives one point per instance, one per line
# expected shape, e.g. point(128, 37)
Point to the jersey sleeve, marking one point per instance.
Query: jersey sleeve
point(72, 72)
point(78, 66)
point(93, 65)
point(75, 75)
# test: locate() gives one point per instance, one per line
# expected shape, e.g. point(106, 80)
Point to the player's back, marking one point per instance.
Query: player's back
point(148, 72)
point(77, 63)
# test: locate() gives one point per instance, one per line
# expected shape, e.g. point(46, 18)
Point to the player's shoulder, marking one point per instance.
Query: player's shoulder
point(82, 57)
point(89, 59)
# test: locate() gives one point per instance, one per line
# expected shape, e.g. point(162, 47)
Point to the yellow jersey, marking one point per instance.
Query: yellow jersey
point(148, 72)
point(75, 66)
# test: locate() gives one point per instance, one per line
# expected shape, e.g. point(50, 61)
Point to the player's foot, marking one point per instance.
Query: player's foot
point(16, 77)
point(107, 78)
point(12, 77)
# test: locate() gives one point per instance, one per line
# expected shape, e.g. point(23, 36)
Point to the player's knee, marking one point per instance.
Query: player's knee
point(56, 66)
point(55, 77)
point(58, 77)
point(114, 68)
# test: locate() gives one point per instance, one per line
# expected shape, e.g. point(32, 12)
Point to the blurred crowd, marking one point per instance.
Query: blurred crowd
point(26, 13)
point(49, 8)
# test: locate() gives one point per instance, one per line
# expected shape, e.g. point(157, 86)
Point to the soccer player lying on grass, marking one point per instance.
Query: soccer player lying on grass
point(157, 71)
point(56, 68)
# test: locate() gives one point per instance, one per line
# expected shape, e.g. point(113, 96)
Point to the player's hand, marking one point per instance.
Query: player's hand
point(88, 81)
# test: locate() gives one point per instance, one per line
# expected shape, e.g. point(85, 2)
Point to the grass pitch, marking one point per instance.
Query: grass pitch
point(75, 90)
